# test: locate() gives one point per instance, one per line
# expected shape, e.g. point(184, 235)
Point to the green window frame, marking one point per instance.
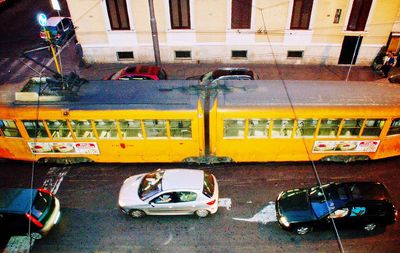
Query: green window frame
point(155, 128)
point(373, 127)
point(234, 128)
point(306, 127)
point(351, 127)
point(282, 128)
point(394, 127)
point(180, 129)
point(258, 128)
point(106, 129)
point(328, 128)
point(59, 129)
point(131, 129)
point(9, 128)
point(35, 128)
point(82, 129)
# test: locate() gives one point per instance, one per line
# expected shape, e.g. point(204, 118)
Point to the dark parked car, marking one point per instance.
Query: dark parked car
point(354, 204)
point(19, 207)
point(139, 72)
point(225, 74)
point(60, 30)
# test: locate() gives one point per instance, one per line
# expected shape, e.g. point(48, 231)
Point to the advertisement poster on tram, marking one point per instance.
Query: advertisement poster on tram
point(64, 147)
point(345, 146)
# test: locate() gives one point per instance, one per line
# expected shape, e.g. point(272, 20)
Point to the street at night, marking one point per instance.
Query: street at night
point(323, 45)
point(92, 222)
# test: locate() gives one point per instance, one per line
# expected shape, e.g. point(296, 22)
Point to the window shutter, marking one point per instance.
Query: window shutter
point(241, 14)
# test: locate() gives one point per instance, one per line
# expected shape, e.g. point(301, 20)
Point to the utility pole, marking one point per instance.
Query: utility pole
point(154, 34)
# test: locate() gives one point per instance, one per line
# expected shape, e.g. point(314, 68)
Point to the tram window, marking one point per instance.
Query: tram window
point(234, 128)
point(258, 128)
point(351, 127)
point(130, 129)
point(180, 129)
point(106, 129)
point(82, 129)
point(306, 127)
point(394, 127)
point(59, 129)
point(328, 128)
point(373, 127)
point(9, 128)
point(155, 128)
point(35, 129)
point(282, 128)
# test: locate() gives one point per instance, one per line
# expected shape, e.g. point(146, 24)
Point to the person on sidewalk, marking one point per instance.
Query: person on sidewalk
point(79, 53)
point(388, 64)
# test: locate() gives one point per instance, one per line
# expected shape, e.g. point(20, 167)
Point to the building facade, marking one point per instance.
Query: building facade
point(238, 31)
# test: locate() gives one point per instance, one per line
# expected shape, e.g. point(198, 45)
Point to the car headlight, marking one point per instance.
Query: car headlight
point(284, 222)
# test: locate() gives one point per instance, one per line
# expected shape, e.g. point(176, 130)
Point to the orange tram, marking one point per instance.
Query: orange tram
point(182, 121)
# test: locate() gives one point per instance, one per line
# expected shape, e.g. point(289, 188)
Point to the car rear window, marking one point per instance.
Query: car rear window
point(208, 188)
point(42, 205)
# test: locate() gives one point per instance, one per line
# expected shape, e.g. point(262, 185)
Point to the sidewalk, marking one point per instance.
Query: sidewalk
point(263, 71)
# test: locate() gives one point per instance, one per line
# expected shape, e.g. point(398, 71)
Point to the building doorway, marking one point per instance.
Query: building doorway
point(350, 48)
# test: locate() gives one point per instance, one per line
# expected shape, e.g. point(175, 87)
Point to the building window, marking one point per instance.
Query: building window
point(179, 13)
point(239, 53)
point(183, 54)
point(295, 54)
point(301, 14)
point(359, 15)
point(118, 14)
point(241, 14)
point(127, 55)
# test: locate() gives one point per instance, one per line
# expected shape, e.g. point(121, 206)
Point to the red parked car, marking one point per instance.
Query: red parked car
point(138, 72)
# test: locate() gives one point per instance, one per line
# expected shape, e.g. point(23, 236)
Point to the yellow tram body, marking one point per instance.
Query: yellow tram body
point(179, 121)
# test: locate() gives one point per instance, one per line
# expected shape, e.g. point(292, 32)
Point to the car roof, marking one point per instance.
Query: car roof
point(16, 200)
point(143, 70)
point(53, 21)
point(183, 179)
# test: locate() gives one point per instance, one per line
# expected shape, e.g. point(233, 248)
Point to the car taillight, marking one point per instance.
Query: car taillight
point(45, 191)
point(396, 215)
point(42, 35)
point(58, 36)
point(212, 202)
point(34, 220)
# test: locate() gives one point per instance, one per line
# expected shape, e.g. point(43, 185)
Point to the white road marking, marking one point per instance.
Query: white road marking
point(225, 202)
point(266, 215)
point(168, 240)
point(54, 177)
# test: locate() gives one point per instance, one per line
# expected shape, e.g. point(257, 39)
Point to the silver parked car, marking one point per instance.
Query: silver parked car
point(170, 192)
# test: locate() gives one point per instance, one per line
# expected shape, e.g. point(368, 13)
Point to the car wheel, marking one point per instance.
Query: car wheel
point(36, 236)
point(135, 213)
point(202, 213)
point(303, 229)
point(371, 226)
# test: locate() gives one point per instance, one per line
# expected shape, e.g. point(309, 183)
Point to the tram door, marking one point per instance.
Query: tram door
point(350, 47)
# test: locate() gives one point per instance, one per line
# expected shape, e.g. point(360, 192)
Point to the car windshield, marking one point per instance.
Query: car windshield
point(207, 77)
point(151, 184)
point(117, 74)
point(40, 205)
point(208, 188)
point(335, 197)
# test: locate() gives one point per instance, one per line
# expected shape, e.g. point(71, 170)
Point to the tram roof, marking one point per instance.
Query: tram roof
point(138, 94)
point(261, 93)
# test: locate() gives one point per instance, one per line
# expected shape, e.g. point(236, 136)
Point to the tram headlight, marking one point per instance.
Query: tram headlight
point(283, 221)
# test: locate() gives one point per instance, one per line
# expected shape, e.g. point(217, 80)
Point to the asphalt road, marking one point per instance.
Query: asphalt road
point(92, 222)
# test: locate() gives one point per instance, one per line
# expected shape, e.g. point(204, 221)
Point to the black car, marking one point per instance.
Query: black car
point(60, 29)
point(225, 74)
point(19, 207)
point(362, 204)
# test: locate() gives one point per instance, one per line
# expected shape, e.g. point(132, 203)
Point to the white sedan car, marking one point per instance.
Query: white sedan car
point(170, 192)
